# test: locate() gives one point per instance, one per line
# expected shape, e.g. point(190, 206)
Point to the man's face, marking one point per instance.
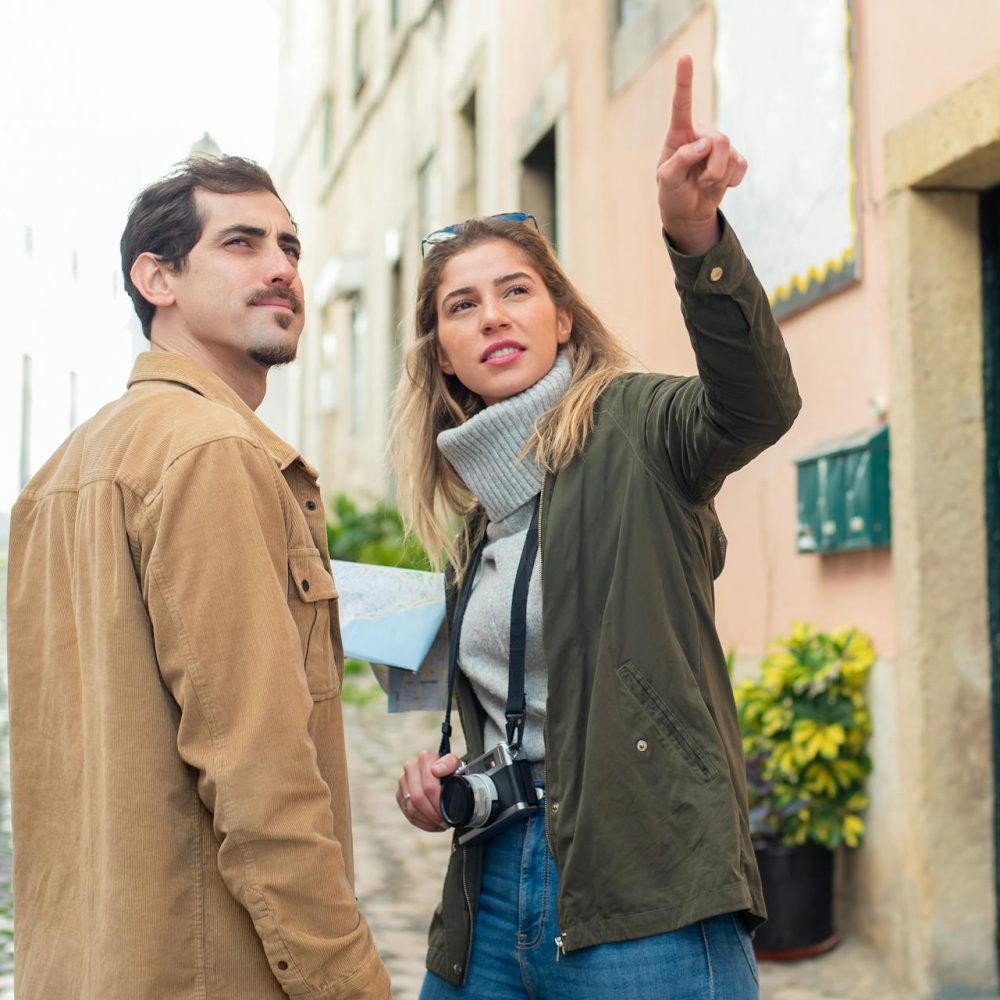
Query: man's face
point(240, 294)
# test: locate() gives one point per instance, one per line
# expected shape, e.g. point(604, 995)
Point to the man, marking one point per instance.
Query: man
point(180, 806)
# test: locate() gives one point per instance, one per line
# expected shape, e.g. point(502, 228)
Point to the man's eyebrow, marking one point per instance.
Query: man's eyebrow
point(256, 231)
point(241, 231)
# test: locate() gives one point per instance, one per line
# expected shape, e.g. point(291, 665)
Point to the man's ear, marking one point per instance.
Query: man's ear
point(150, 275)
point(564, 325)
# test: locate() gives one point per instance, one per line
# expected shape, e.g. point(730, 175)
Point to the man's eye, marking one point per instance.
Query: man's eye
point(237, 241)
point(294, 252)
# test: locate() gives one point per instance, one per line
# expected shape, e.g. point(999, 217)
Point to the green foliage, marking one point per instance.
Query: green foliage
point(371, 536)
point(805, 727)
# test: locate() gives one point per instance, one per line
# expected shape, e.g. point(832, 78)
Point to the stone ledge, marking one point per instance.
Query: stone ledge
point(953, 145)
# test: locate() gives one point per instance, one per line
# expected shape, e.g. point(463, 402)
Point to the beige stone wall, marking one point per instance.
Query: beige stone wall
point(936, 164)
point(942, 672)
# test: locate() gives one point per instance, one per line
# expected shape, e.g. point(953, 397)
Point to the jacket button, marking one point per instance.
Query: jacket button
point(715, 274)
point(305, 584)
point(310, 505)
point(555, 807)
point(457, 969)
point(282, 965)
point(642, 746)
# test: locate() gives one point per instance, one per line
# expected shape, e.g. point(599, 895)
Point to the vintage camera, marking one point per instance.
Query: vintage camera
point(488, 794)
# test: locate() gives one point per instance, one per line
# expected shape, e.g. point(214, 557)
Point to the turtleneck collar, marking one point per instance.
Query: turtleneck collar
point(485, 450)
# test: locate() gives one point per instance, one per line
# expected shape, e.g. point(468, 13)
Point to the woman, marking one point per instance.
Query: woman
point(634, 876)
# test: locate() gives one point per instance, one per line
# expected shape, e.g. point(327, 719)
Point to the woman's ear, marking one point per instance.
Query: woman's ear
point(564, 325)
point(442, 359)
point(148, 274)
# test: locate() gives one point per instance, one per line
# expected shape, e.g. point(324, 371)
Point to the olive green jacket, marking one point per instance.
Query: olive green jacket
point(646, 807)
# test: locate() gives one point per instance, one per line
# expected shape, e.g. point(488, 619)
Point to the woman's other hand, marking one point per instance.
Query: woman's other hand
point(696, 167)
point(418, 792)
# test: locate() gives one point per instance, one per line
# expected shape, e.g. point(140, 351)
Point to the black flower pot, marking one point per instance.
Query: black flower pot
point(798, 891)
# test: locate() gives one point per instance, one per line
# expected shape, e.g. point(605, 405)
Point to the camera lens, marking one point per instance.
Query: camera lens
point(467, 800)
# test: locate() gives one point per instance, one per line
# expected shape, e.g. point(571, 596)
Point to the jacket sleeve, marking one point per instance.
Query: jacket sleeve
point(698, 430)
point(216, 583)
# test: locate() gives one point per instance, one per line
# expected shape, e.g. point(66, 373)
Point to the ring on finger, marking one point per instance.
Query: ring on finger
point(406, 797)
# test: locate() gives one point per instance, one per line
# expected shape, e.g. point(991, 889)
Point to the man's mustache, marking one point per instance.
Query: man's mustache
point(278, 292)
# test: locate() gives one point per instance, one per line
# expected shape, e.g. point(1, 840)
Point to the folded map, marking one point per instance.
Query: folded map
point(394, 619)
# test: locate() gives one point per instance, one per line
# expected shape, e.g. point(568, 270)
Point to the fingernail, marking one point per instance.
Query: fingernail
point(700, 145)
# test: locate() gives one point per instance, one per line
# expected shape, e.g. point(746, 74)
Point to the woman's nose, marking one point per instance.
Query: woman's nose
point(493, 314)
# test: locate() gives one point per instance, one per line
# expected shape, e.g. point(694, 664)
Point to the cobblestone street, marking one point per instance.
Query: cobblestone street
point(399, 868)
point(399, 871)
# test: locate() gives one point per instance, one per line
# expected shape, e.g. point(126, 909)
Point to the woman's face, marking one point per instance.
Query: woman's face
point(498, 328)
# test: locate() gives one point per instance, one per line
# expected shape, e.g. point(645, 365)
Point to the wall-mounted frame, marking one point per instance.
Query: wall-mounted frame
point(786, 95)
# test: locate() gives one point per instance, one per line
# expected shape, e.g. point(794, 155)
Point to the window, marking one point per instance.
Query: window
point(626, 10)
point(326, 139)
point(25, 458)
point(396, 350)
point(359, 53)
point(538, 184)
point(358, 336)
point(429, 212)
point(639, 28)
point(467, 194)
point(396, 321)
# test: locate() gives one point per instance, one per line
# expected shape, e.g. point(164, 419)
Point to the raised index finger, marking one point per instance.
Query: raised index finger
point(680, 116)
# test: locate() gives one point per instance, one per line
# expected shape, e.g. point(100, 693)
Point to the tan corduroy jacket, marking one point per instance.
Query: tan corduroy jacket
point(180, 806)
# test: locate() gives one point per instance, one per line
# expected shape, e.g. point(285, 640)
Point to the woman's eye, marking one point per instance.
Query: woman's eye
point(460, 306)
point(519, 289)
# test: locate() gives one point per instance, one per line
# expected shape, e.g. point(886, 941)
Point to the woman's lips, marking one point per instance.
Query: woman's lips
point(503, 353)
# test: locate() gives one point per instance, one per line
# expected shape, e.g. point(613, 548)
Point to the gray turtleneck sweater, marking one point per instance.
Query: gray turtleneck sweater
point(485, 452)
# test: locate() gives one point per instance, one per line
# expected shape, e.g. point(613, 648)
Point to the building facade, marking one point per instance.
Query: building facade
point(868, 206)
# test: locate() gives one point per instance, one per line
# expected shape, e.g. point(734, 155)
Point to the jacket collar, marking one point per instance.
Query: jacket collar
point(164, 366)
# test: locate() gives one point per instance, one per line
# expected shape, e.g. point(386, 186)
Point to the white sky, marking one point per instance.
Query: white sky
point(97, 100)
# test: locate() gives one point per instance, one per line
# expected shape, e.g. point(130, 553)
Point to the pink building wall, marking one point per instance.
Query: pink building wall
point(908, 55)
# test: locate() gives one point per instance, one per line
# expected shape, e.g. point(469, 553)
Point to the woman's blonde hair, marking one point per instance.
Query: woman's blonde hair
point(428, 401)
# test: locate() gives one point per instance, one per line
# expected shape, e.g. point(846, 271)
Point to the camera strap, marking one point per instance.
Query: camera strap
point(516, 706)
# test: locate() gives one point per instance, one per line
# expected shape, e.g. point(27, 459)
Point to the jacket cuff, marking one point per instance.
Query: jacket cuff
point(718, 271)
point(370, 982)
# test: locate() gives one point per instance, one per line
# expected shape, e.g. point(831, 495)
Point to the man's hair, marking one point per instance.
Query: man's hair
point(164, 219)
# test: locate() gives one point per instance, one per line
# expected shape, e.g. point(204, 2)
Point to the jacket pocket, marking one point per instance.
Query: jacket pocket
point(666, 722)
point(313, 602)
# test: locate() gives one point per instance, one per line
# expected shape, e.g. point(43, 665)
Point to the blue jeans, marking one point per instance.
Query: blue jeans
point(514, 955)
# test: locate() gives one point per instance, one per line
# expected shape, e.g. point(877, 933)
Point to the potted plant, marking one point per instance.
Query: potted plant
point(805, 725)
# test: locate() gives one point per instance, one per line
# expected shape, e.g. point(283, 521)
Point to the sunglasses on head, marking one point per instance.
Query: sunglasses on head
point(450, 232)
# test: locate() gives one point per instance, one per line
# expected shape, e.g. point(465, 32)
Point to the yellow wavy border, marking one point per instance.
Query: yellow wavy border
point(802, 283)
